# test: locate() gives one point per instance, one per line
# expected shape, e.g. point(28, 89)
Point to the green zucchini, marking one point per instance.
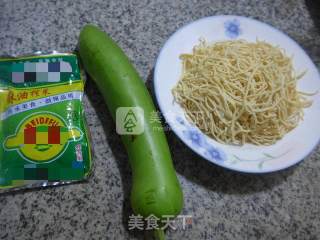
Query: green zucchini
point(156, 189)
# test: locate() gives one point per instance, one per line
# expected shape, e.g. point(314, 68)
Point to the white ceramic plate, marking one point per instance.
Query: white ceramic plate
point(294, 147)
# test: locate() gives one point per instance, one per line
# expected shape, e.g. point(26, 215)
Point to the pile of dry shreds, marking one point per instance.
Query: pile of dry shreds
point(239, 92)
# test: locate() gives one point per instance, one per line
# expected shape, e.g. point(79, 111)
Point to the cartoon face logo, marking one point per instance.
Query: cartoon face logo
point(42, 137)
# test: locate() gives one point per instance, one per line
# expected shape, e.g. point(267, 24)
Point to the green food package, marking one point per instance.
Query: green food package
point(43, 134)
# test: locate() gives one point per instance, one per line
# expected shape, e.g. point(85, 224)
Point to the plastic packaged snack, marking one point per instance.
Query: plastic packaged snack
point(43, 135)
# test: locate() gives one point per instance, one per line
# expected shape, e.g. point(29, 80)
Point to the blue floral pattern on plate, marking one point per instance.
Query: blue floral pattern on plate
point(232, 28)
point(180, 120)
point(198, 140)
point(194, 136)
point(215, 154)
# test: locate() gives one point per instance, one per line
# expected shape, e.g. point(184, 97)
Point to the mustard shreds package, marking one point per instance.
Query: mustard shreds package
point(43, 133)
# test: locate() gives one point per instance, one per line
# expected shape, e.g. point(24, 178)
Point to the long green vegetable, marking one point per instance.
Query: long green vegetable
point(156, 189)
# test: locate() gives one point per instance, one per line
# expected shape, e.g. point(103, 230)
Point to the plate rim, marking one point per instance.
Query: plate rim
point(177, 133)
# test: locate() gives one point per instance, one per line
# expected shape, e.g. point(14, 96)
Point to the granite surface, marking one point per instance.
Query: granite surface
point(223, 204)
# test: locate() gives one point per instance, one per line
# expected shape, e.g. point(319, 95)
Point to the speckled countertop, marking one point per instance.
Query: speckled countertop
point(224, 204)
